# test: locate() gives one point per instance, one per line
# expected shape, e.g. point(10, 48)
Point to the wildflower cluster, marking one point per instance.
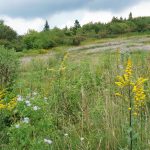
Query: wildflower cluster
point(139, 94)
point(62, 66)
point(27, 102)
point(9, 106)
point(125, 80)
point(137, 88)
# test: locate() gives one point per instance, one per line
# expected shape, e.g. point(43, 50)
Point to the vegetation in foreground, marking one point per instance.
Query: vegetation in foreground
point(73, 101)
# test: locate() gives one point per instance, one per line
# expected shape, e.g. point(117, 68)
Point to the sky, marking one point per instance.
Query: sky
point(23, 15)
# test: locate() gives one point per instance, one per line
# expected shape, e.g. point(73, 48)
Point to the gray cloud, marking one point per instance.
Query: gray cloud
point(44, 8)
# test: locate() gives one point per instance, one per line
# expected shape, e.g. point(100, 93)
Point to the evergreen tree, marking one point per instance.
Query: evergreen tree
point(1, 22)
point(121, 19)
point(130, 16)
point(77, 24)
point(46, 26)
point(115, 19)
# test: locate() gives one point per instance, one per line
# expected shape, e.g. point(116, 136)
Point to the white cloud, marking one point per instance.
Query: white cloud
point(96, 17)
point(142, 9)
point(42, 8)
point(23, 25)
point(67, 18)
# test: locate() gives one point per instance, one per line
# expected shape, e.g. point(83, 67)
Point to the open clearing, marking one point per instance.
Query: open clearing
point(124, 44)
point(82, 99)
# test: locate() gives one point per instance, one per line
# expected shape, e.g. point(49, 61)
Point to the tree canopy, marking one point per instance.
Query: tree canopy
point(6, 32)
point(46, 26)
point(73, 35)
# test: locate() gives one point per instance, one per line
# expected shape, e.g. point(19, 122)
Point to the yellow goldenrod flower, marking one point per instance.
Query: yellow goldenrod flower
point(125, 79)
point(139, 94)
point(62, 66)
point(2, 94)
point(129, 108)
point(2, 106)
point(128, 70)
point(135, 114)
point(9, 105)
point(62, 69)
point(118, 94)
point(13, 102)
point(65, 56)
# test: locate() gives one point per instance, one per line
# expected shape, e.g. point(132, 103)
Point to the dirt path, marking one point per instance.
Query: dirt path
point(28, 59)
point(123, 44)
point(132, 43)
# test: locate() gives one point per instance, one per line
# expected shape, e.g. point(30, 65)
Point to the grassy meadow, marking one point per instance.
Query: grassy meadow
point(71, 101)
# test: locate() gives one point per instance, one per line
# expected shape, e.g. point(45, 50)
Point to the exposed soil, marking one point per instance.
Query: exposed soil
point(130, 44)
point(136, 43)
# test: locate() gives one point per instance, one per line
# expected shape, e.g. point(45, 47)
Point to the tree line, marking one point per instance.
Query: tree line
point(49, 38)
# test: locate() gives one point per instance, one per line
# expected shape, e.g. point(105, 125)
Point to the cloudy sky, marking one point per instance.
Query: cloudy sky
point(23, 15)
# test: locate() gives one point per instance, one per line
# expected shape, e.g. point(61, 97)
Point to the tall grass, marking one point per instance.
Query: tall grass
point(79, 108)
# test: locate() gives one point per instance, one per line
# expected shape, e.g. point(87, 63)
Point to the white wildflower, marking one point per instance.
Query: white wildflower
point(26, 120)
point(28, 103)
point(19, 98)
point(45, 98)
point(36, 108)
point(35, 93)
point(17, 126)
point(48, 141)
point(81, 138)
point(66, 134)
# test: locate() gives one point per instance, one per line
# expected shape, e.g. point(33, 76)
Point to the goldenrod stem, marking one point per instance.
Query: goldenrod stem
point(130, 118)
point(141, 129)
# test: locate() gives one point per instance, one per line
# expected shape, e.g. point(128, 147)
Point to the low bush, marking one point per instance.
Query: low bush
point(8, 66)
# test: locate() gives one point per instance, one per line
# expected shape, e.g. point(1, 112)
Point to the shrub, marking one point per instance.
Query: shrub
point(16, 44)
point(77, 40)
point(46, 44)
point(7, 33)
point(5, 43)
point(8, 66)
point(118, 28)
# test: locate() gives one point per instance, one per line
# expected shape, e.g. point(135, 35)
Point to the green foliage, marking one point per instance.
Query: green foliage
point(30, 38)
point(142, 23)
point(76, 106)
point(118, 28)
point(8, 66)
point(92, 28)
point(71, 36)
point(6, 43)
point(7, 33)
point(76, 41)
point(18, 44)
point(9, 38)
